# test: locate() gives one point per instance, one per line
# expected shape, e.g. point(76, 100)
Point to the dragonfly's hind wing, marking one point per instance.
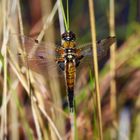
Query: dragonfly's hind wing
point(39, 57)
point(102, 51)
point(102, 48)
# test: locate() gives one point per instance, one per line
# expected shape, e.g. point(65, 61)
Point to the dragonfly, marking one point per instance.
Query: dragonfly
point(68, 56)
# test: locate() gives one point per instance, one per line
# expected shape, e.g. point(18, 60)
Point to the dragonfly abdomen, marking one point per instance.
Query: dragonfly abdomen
point(70, 80)
point(70, 74)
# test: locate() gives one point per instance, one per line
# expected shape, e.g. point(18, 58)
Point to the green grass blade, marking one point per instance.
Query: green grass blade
point(64, 16)
point(68, 21)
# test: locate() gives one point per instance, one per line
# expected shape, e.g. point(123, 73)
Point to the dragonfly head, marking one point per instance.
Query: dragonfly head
point(69, 36)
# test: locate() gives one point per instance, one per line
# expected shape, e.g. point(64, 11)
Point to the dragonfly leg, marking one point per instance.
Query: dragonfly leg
point(59, 59)
point(60, 51)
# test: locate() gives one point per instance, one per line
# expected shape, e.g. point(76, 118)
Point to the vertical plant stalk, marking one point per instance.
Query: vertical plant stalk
point(66, 19)
point(74, 135)
point(94, 49)
point(20, 19)
point(4, 99)
point(54, 84)
point(112, 59)
point(3, 134)
point(61, 19)
point(72, 113)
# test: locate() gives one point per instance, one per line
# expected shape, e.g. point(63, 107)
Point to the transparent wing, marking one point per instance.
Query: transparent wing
point(102, 48)
point(41, 56)
point(38, 56)
point(102, 53)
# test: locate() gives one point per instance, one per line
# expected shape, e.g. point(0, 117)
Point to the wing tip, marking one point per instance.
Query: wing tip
point(112, 39)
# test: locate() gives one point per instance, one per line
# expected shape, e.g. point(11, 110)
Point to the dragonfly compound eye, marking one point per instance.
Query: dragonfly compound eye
point(68, 36)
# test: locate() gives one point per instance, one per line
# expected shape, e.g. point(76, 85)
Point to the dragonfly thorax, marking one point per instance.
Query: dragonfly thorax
point(70, 54)
point(69, 57)
point(69, 44)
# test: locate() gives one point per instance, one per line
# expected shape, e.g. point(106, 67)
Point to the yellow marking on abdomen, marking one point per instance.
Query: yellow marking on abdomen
point(70, 74)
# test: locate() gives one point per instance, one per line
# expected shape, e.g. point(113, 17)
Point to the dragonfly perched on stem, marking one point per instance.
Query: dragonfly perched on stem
point(68, 56)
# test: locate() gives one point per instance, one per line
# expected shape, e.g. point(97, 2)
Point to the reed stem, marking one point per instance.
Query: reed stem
point(68, 21)
point(3, 131)
point(112, 59)
point(94, 49)
point(64, 16)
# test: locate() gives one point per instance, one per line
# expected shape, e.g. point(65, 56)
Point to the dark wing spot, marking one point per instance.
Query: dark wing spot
point(111, 37)
point(99, 41)
point(19, 54)
point(36, 41)
point(41, 57)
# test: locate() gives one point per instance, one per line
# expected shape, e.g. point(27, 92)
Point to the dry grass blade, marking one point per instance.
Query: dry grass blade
point(93, 32)
point(35, 116)
point(47, 22)
point(3, 134)
point(51, 122)
point(136, 134)
point(20, 18)
point(35, 100)
point(112, 59)
point(61, 20)
point(54, 81)
point(72, 124)
point(29, 76)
